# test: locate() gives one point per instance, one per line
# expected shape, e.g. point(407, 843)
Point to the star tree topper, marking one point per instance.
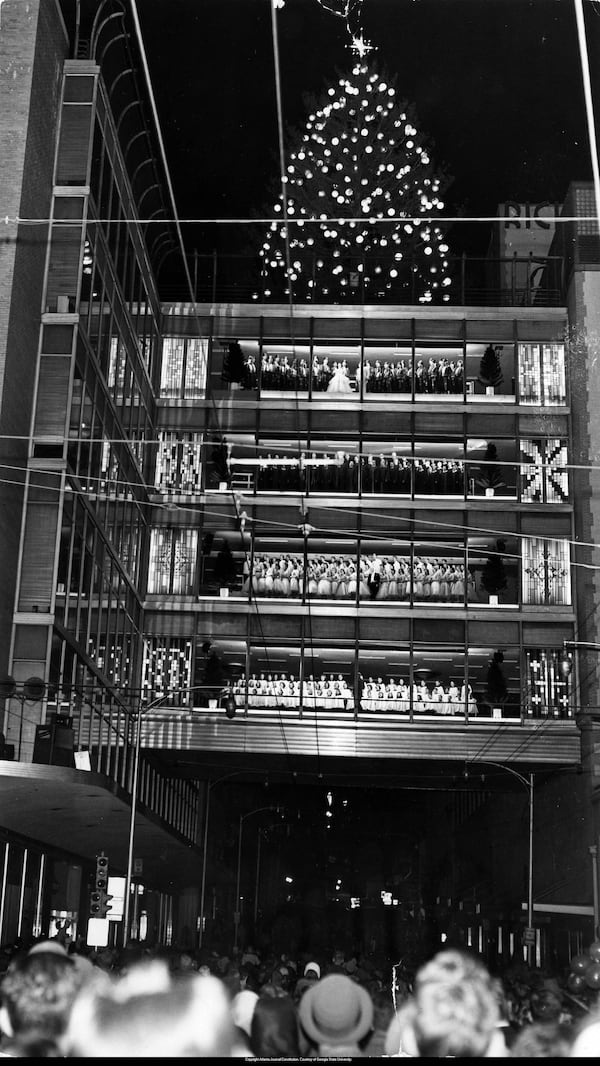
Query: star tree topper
point(350, 11)
point(360, 47)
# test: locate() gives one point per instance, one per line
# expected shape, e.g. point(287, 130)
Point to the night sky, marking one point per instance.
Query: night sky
point(497, 85)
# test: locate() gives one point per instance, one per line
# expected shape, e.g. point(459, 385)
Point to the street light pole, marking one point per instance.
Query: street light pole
point(134, 790)
point(529, 785)
point(262, 835)
point(257, 883)
point(204, 846)
point(237, 913)
point(209, 787)
point(593, 850)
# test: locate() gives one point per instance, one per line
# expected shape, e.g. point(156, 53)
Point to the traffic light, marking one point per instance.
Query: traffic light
point(100, 899)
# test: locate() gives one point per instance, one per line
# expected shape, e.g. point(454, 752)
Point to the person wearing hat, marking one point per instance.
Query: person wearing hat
point(311, 974)
point(336, 1016)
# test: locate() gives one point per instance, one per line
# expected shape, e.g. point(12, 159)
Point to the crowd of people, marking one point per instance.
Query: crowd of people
point(66, 1000)
point(343, 472)
point(288, 373)
point(333, 693)
point(397, 697)
point(282, 690)
point(387, 577)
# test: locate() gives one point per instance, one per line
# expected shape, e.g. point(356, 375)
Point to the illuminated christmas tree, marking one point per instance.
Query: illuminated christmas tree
point(362, 199)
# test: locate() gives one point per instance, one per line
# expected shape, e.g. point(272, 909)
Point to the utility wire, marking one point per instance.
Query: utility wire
point(264, 525)
point(20, 220)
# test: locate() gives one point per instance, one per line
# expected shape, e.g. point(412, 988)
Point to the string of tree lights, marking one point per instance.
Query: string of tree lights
point(361, 157)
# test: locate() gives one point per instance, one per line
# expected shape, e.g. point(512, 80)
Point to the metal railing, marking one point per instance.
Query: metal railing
point(511, 281)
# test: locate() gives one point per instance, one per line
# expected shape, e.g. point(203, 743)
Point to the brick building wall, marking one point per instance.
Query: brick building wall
point(33, 46)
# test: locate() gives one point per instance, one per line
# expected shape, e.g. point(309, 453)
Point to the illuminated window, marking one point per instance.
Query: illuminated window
point(172, 564)
point(543, 472)
point(542, 374)
point(546, 571)
point(183, 369)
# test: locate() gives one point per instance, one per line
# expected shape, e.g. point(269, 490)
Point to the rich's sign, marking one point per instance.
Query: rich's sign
point(527, 216)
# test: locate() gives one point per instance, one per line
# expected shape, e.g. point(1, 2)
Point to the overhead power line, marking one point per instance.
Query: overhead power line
point(19, 220)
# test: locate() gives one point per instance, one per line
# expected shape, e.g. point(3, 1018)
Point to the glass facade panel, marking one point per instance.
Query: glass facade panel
point(282, 368)
point(436, 471)
point(179, 463)
point(490, 372)
point(331, 570)
point(495, 679)
point(195, 367)
point(387, 371)
point(439, 573)
point(548, 690)
point(542, 377)
point(171, 375)
point(172, 562)
point(183, 367)
point(168, 669)
point(224, 567)
point(493, 571)
point(439, 373)
point(553, 370)
point(544, 474)
point(491, 468)
point(546, 571)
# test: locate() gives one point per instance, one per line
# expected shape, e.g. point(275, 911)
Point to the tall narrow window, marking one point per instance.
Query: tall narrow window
point(109, 470)
point(183, 370)
point(530, 384)
point(179, 463)
point(553, 374)
point(542, 374)
point(172, 563)
point(546, 571)
point(195, 367)
point(167, 669)
point(547, 692)
point(171, 374)
point(117, 369)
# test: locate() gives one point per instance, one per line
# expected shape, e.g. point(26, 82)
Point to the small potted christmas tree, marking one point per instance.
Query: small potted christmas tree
point(493, 575)
point(490, 477)
point(490, 370)
point(219, 471)
point(225, 569)
point(234, 364)
point(496, 688)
